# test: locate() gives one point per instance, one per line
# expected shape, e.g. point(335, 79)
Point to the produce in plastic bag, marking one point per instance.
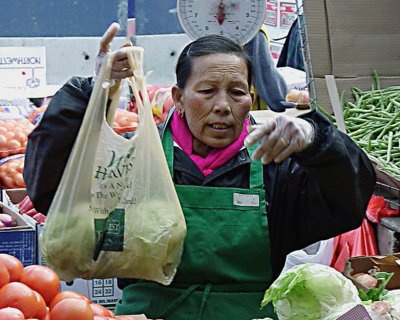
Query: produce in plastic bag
point(13, 101)
point(14, 130)
point(37, 114)
point(11, 169)
point(125, 121)
point(116, 212)
point(311, 292)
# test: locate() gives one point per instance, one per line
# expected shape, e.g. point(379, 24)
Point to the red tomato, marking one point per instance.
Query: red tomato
point(99, 310)
point(11, 314)
point(43, 280)
point(20, 296)
point(41, 310)
point(67, 294)
point(14, 266)
point(72, 308)
point(4, 275)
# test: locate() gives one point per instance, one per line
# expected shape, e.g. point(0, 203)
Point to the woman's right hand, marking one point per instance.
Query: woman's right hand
point(120, 68)
point(279, 137)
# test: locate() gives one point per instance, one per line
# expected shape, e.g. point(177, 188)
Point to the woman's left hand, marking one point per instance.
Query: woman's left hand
point(279, 137)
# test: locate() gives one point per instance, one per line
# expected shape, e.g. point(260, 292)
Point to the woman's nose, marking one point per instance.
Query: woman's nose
point(222, 103)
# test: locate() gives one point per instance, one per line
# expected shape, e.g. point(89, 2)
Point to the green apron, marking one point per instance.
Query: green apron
point(225, 267)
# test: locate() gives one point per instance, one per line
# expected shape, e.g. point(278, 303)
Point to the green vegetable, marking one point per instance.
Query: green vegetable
point(311, 292)
point(372, 121)
point(152, 244)
point(376, 294)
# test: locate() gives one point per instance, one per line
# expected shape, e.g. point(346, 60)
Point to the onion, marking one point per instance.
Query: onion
point(300, 97)
point(7, 220)
point(381, 307)
point(303, 97)
point(292, 95)
point(366, 280)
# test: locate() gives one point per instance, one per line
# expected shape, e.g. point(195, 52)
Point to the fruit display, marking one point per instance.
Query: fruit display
point(14, 130)
point(11, 169)
point(33, 292)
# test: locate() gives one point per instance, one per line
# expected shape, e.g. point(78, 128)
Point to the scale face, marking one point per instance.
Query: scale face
point(238, 20)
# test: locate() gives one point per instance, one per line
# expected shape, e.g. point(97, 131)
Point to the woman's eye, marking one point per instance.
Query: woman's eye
point(206, 91)
point(238, 92)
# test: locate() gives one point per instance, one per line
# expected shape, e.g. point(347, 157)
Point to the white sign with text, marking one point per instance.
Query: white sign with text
point(23, 68)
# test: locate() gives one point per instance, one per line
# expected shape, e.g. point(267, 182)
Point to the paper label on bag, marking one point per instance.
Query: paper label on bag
point(246, 200)
point(110, 232)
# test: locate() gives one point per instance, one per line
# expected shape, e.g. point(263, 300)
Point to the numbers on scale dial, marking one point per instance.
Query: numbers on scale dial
point(239, 20)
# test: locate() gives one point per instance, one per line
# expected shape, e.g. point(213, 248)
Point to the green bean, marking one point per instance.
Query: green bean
point(389, 148)
point(371, 120)
point(387, 126)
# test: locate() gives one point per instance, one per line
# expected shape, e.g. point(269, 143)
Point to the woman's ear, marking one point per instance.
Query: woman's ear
point(177, 97)
point(252, 97)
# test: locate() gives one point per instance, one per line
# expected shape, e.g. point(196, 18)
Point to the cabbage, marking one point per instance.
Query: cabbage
point(311, 292)
point(152, 244)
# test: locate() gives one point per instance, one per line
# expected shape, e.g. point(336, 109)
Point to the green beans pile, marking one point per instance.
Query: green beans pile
point(373, 122)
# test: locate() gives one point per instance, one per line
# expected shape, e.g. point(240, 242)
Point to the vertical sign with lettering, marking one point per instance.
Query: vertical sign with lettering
point(22, 67)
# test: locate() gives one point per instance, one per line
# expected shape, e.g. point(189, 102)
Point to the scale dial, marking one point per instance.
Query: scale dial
point(238, 20)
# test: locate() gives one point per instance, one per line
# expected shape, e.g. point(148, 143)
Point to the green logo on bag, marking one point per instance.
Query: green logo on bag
point(119, 166)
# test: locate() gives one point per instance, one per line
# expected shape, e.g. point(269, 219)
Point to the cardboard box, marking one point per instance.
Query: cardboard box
point(102, 291)
point(346, 84)
point(349, 38)
point(295, 79)
point(19, 241)
point(387, 263)
point(11, 197)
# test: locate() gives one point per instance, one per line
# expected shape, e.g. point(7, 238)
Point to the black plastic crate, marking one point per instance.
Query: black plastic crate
point(391, 194)
point(388, 230)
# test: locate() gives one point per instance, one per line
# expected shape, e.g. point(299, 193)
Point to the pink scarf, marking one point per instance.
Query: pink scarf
point(216, 158)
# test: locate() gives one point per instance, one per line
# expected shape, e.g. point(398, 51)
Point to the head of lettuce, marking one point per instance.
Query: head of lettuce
point(311, 292)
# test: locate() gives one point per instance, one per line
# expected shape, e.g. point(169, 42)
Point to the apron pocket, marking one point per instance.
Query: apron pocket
point(171, 303)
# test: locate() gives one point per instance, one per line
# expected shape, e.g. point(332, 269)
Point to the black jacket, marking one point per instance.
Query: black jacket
point(314, 195)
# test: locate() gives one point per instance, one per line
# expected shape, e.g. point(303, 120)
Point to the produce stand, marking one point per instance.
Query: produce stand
point(328, 49)
point(363, 58)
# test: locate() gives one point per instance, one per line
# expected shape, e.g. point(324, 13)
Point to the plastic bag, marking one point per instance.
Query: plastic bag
point(11, 169)
point(125, 121)
point(14, 130)
point(320, 252)
point(116, 212)
point(357, 242)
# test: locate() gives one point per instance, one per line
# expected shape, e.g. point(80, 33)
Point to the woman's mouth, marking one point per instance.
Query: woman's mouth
point(219, 126)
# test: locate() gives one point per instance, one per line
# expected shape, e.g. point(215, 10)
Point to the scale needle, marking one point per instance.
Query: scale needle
point(221, 13)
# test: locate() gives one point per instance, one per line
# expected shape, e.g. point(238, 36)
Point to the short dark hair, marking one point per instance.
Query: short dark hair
point(204, 46)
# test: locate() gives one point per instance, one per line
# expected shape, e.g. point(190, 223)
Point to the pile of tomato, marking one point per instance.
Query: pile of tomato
point(33, 292)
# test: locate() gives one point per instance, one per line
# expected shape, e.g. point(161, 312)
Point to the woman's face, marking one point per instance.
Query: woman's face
point(215, 100)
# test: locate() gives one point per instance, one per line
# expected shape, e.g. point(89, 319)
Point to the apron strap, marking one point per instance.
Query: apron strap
point(206, 293)
point(168, 143)
point(256, 167)
point(177, 302)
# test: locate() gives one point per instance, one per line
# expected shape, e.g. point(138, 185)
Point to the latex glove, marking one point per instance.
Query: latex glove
point(120, 67)
point(279, 137)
